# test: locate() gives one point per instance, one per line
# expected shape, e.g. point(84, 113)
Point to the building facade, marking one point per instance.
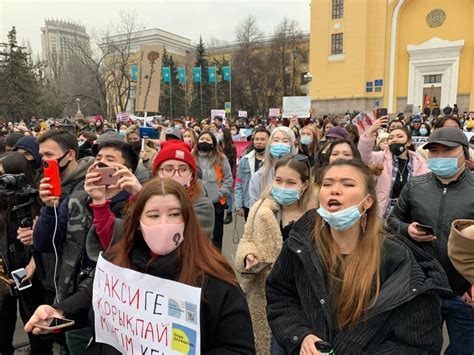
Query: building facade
point(61, 41)
point(399, 54)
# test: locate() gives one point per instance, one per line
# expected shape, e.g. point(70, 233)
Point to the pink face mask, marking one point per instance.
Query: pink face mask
point(162, 239)
point(184, 181)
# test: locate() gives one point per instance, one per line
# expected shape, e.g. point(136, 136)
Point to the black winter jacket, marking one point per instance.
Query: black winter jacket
point(424, 199)
point(226, 327)
point(406, 319)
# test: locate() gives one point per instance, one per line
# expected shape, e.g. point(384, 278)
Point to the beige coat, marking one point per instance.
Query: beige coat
point(461, 247)
point(262, 238)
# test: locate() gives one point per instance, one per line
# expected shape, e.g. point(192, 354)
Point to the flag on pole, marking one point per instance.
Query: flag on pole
point(197, 74)
point(166, 72)
point(212, 74)
point(182, 75)
point(226, 73)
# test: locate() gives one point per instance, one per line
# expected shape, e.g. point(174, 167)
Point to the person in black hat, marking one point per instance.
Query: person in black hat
point(426, 208)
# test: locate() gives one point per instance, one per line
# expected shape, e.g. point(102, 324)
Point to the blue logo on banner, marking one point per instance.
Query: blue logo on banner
point(379, 82)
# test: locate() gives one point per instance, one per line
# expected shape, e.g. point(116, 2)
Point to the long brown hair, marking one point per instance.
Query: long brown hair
point(196, 256)
point(215, 156)
point(361, 284)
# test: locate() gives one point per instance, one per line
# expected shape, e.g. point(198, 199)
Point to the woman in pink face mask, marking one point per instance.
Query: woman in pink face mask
point(162, 237)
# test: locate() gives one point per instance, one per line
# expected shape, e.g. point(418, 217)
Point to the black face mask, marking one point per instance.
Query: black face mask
point(397, 148)
point(205, 147)
point(260, 150)
point(62, 168)
point(137, 146)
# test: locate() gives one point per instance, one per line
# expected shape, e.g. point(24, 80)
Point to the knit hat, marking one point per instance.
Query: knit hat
point(177, 150)
point(287, 130)
point(337, 133)
point(30, 144)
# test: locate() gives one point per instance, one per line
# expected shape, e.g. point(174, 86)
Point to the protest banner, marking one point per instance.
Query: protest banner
point(149, 78)
point(140, 314)
point(274, 112)
point(417, 141)
point(299, 106)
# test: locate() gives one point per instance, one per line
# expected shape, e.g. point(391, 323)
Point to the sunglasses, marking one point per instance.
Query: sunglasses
point(298, 157)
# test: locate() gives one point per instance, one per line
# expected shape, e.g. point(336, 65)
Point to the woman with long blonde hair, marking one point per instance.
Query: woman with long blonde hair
point(340, 282)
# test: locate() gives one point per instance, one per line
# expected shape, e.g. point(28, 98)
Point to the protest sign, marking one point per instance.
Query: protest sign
point(363, 121)
point(243, 114)
point(274, 112)
point(218, 113)
point(299, 106)
point(138, 313)
point(149, 77)
point(417, 141)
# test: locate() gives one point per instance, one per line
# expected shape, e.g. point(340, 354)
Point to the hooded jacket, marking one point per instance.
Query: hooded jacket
point(406, 318)
point(75, 181)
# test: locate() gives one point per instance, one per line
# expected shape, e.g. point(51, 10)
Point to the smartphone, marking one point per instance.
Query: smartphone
point(18, 276)
point(149, 133)
point(425, 228)
point(51, 171)
point(106, 175)
point(381, 112)
point(262, 265)
point(55, 324)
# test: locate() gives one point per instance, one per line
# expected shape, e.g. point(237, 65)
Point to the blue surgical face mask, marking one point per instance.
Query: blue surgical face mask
point(443, 167)
point(344, 219)
point(279, 149)
point(306, 140)
point(285, 196)
point(423, 131)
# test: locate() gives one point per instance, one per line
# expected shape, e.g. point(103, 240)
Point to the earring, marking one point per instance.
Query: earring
point(363, 223)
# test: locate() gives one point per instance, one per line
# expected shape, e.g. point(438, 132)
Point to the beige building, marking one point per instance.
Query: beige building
point(60, 41)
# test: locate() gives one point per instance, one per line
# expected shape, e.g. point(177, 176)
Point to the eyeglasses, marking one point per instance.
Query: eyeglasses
point(298, 157)
point(169, 171)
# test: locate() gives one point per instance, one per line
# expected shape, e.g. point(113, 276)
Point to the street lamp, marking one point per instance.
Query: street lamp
point(307, 79)
point(78, 100)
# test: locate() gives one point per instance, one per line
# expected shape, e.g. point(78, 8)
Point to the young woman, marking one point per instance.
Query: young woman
point(399, 162)
point(268, 226)
point(280, 143)
point(147, 156)
point(16, 253)
point(189, 137)
point(147, 244)
point(217, 178)
point(230, 151)
point(339, 280)
point(308, 143)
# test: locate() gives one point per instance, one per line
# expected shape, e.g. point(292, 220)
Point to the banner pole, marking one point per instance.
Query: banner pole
point(171, 95)
point(185, 93)
point(200, 85)
point(230, 88)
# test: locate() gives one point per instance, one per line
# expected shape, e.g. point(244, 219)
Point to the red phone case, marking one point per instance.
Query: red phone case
point(51, 171)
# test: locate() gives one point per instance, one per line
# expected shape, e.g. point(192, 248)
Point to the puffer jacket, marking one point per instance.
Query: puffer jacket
point(406, 318)
point(385, 157)
point(426, 200)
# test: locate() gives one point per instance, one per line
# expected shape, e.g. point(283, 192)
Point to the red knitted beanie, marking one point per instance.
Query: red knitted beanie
point(177, 150)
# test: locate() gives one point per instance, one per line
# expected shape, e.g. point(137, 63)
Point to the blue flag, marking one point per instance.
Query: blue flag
point(182, 75)
point(197, 74)
point(166, 72)
point(212, 74)
point(134, 70)
point(226, 73)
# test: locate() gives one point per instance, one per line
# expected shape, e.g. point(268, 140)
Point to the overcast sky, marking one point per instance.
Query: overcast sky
point(190, 18)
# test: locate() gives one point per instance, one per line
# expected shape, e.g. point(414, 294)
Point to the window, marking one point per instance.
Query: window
point(337, 43)
point(432, 79)
point(337, 9)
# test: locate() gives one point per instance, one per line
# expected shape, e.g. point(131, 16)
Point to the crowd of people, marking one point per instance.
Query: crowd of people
point(354, 241)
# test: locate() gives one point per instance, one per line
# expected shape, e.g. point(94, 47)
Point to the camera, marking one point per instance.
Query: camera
point(12, 181)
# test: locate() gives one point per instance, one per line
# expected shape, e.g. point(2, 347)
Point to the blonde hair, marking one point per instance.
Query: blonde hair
point(268, 159)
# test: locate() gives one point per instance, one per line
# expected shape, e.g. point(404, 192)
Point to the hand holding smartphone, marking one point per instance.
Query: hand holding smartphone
point(19, 276)
point(106, 175)
point(52, 324)
point(51, 171)
point(425, 228)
